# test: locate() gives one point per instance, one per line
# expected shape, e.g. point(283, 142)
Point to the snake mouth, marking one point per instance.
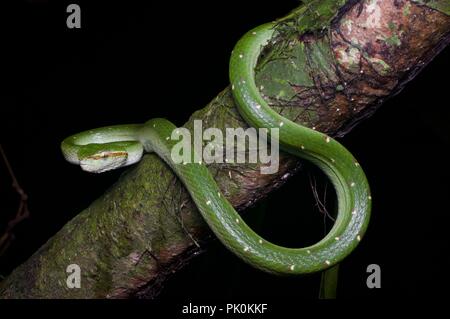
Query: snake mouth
point(104, 161)
point(104, 155)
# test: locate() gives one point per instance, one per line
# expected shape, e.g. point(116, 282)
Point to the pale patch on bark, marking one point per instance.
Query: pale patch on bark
point(374, 15)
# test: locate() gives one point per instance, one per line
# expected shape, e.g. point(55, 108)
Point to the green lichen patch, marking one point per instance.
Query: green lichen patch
point(394, 40)
point(407, 9)
point(314, 15)
point(379, 65)
point(348, 57)
point(309, 64)
point(440, 5)
point(278, 75)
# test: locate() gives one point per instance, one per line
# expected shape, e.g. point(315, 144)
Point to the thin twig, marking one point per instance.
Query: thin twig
point(321, 205)
point(22, 211)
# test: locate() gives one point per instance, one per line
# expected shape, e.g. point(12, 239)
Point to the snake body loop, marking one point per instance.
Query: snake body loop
point(111, 147)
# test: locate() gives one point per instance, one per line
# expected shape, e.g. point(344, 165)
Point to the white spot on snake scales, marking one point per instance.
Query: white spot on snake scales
point(258, 106)
point(352, 184)
point(354, 212)
point(303, 147)
point(358, 238)
point(260, 241)
point(241, 56)
point(237, 220)
point(292, 267)
point(314, 128)
point(281, 124)
point(167, 138)
point(218, 194)
point(246, 249)
point(232, 87)
point(370, 197)
point(328, 139)
point(332, 160)
point(208, 202)
point(336, 238)
point(254, 33)
point(327, 262)
point(308, 251)
point(356, 164)
point(261, 87)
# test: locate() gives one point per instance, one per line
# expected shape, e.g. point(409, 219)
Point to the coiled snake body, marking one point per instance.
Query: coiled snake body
point(107, 148)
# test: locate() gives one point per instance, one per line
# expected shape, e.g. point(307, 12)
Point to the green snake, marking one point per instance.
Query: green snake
point(111, 147)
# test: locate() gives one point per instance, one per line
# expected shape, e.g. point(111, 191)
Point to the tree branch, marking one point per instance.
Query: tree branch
point(145, 227)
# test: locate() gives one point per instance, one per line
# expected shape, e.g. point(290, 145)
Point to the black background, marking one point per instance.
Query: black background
point(129, 63)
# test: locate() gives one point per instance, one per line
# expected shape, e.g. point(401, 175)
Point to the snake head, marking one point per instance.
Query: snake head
point(99, 158)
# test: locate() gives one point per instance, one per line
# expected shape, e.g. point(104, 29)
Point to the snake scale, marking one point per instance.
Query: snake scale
point(111, 147)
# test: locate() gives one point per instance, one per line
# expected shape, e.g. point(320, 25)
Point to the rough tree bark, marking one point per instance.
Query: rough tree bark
point(145, 227)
